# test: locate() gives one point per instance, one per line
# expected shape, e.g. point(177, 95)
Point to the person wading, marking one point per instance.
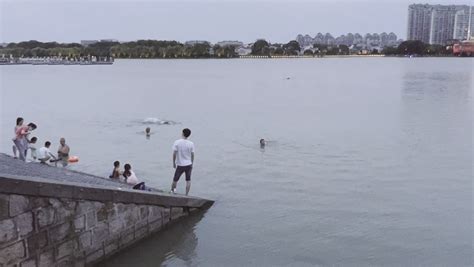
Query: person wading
point(183, 159)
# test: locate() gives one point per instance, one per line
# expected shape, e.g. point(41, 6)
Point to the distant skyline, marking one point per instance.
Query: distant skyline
point(276, 21)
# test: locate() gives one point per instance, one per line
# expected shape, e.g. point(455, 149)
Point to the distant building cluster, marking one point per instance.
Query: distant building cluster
point(439, 24)
point(353, 41)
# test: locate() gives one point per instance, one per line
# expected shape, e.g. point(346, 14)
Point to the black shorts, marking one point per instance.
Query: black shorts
point(179, 171)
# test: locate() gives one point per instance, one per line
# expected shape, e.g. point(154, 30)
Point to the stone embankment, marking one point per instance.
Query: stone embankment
point(55, 217)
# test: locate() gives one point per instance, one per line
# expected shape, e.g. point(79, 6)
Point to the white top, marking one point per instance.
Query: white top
point(132, 179)
point(32, 147)
point(44, 152)
point(183, 149)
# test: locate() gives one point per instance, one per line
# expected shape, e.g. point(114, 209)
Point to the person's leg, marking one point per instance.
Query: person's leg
point(21, 151)
point(14, 150)
point(45, 160)
point(25, 147)
point(188, 178)
point(177, 174)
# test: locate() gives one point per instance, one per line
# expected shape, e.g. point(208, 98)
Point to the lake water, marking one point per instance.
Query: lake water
point(370, 160)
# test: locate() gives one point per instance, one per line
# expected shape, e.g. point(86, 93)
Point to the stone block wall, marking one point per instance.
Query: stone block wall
point(49, 231)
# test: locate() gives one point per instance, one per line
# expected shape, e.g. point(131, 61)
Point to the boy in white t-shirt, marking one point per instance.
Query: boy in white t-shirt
point(183, 159)
point(32, 148)
point(44, 154)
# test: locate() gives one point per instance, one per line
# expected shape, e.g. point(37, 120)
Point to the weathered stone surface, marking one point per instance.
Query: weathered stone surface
point(45, 216)
point(12, 253)
point(141, 232)
point(93, 257)
point(46, 259)
point(79, 263)
point(65, 249)
point(84, 207)
point(85, 240)
point(7, 230)
point(65, 209)
point(111, 247)
point(37, 241)
point(156, 225)
point(31, 262)
point(116, 225)
point(91, 220)
point(166, 214)
point(61, 232)
point(144, 212)
point(80, 223)
point(18, 204)
point(100, 233)
point(24, 223)
point(154, 213)
point(66, 262)
point(4, 206)
point(176, 213)
point(127, 237)
point(37, 202)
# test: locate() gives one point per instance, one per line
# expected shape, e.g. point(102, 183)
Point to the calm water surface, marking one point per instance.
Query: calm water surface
point(370, 162)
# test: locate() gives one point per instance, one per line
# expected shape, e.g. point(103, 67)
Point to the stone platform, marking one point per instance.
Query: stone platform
point(55, 217)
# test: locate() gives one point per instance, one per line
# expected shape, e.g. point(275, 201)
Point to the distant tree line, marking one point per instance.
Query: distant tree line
point(417, 48)
point(136, 49)
point(174, 49)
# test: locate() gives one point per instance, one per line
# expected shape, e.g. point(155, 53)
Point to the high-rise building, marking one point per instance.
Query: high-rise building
point(436, 24)
point(419, 22)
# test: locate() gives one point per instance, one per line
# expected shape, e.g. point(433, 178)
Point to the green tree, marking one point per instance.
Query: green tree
point(292, 48)
point(412, 48)
point(261, 48)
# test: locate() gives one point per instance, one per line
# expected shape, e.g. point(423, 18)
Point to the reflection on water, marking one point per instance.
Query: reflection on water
point(176, 242)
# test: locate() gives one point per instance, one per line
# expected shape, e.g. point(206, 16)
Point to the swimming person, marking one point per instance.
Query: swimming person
point(262, 143)
point(44, 154)
point(116, 171)
point(63, 152)
point(19, 123)
point(32, 147)
point(21, 139)
point(148, 132)
point(183, 159)
point(130, 177)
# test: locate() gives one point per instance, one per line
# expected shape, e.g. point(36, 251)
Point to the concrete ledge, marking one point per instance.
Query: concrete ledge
point(11, 184)
point(56, 217)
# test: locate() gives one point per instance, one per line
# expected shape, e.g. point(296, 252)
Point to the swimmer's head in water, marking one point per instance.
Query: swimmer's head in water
point(116, 163)
point(147, 130)
point(186, 132)
point(262, 142)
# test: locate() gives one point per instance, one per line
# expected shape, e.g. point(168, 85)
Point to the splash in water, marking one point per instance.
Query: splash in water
point(158, 121)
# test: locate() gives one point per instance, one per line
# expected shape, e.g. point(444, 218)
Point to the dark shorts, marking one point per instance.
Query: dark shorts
point(179, 171)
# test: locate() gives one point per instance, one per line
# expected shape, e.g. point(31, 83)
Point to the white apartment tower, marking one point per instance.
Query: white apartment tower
point(437, 24)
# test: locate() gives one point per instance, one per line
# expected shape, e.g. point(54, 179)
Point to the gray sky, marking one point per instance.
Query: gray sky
point(276, 21)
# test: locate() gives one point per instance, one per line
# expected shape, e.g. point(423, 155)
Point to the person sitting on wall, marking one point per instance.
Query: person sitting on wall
point(44, 154)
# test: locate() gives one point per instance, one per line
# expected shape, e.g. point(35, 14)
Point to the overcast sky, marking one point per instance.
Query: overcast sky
point(276, 21)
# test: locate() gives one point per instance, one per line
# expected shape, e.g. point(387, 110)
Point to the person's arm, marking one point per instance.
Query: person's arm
point(51, 154)
point(174, 159)
point(192, 157)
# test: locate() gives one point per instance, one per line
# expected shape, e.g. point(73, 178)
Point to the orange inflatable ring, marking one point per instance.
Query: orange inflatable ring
point(73, 159)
